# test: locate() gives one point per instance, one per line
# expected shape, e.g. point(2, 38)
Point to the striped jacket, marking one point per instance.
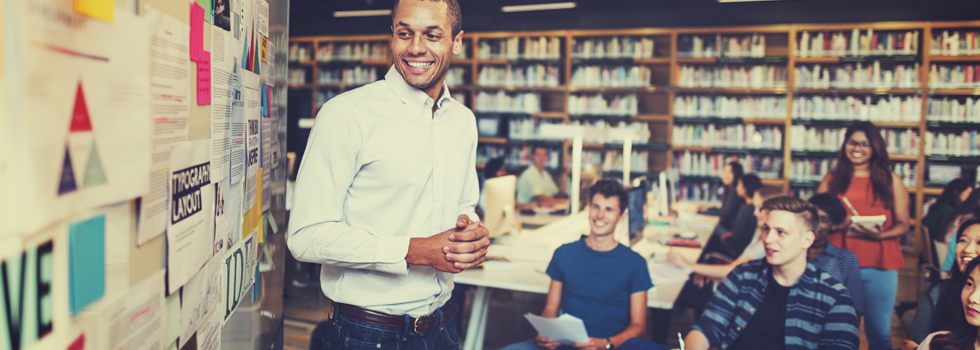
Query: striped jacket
point(819, 310)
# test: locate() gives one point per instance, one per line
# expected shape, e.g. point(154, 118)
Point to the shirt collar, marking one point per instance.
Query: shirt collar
point(412, 97)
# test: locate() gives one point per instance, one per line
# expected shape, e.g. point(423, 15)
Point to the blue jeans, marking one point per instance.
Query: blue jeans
point(880, 290)
point(344, 333)
point(631, 344)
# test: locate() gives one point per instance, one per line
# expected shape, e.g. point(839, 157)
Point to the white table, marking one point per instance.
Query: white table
point(525, 276)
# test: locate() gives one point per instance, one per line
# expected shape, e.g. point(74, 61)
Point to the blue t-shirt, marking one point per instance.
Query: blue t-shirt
point(596, 286)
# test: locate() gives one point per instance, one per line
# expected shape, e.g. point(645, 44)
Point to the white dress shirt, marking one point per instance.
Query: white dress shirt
point(381, 168)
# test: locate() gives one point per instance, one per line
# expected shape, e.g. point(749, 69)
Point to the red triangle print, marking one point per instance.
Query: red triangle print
point(79, 117)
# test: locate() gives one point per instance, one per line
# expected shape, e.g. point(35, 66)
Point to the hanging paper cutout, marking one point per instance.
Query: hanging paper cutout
point(67, 176)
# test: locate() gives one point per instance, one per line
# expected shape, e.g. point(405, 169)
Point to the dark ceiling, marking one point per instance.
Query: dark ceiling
point(315, 17)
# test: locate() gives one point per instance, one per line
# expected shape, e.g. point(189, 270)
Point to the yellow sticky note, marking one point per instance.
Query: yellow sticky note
point(98, 9)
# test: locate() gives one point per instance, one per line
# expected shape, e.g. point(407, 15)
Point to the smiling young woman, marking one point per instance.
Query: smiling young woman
point(863, 177)
point(964, 317)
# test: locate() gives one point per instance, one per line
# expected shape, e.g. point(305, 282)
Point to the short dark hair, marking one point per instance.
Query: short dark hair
point(751, 182)
point(452, 11)
point(493, 166)
point(610, 188)
point(831, 205)
point(803, 209)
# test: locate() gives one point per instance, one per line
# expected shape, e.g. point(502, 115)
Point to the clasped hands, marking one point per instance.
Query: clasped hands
point(454, 250)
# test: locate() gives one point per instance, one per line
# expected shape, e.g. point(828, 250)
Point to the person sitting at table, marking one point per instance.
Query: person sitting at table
point(535, 184)
point(783, 301)
point(598, 280)
point(741, 231)
point(730, 200)
point(954, 194)
point(699, 288)
point(494, 168)
point(964, 315)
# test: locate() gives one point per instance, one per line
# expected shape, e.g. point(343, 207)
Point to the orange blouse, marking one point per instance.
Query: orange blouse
point(884, 254)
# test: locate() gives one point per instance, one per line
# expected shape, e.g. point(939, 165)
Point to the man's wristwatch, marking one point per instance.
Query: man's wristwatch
point(609, 345)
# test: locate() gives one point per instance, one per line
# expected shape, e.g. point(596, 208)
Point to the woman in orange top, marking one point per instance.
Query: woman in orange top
point(863, 176)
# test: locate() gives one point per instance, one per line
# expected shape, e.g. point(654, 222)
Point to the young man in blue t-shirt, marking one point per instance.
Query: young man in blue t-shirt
point(598, 280)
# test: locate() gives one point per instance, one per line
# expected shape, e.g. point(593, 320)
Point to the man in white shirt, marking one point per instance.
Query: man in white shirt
point(535, 183)
point(386, 192)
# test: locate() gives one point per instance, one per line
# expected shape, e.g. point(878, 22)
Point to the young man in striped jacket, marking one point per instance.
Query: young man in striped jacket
point(782, 301)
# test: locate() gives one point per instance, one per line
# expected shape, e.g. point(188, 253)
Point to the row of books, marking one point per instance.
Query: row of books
point(299, 52)
point(946, 109)
point(820, 139)
point(963, 143)
point(324, 95)
point(721, 45)
point(611, 76)
point(955, 42)
point(712, 164)
point(538, 48)
point(464, 51)
point(732, 76)
point(534, 75)
point(699, 191)
point(352, 51)
point(456, 76)
point(503, 102)
point(613, 47)
point(857, 76)
point(871, 108)
point(616, 131)
point(297, 77)
point(857, 42)
point(954, 76)
point(618, 105)
point(692, 106)
point(612, 160)
point(357, 75)
point(459, 96)
point(517, 155)
point(816, 169)
point(743, 136)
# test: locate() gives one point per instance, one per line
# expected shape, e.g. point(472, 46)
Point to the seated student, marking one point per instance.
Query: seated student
point(782, 301)
point(954, 194)
point(699, 289)
point(730, 200)
point(841, 264)
point(969, 210)
point(494, 168)
point(741, 231)
point(964, 317)
point(942, 294)
point(597, 279)
point(535, 184)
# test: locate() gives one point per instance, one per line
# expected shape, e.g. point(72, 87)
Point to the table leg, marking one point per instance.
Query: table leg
point(659, 322)
point(477, 327)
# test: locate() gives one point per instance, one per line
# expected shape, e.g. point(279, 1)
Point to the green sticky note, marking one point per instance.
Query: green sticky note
point(208, 13)
point(86, 262)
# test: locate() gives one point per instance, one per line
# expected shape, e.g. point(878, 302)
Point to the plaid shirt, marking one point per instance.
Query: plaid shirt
point(819, 311)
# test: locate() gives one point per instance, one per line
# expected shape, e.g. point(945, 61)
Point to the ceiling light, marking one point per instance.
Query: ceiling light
point(539, 7)
point(362, 13)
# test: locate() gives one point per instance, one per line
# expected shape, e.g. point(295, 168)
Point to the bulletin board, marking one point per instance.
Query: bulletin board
point(141, 174)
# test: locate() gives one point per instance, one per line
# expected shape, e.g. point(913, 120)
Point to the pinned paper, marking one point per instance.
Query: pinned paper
point(265, 100)
point(98, 9)
point(204, 79)
point(86, 256)
point(264, 48)
point(197, 32)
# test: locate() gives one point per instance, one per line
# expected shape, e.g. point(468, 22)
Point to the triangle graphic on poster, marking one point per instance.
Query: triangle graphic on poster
point(94, 174)
point(255, 63)
point(245, 53)
point(80, 120)
point(67, 182)
point(251, 52)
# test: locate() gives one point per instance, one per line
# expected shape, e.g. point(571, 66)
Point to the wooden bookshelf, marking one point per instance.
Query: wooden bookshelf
point(657, 100)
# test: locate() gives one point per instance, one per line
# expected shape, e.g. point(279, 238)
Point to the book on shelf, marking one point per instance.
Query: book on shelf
point(955, 42)
point(712, 164)
point(952, 76)
point(594, 76)
point(352, 51)
point(624, 105)
point(739, 136)
point(762, 107)
point(508, 102)
point(513, 48)
point(857, 76)
point(731, 76)
point(887, 108)
point(857, 42)
point(959, 144)
point(722, 45)
point(534, 75)
point(612, 48)
point(956, 110)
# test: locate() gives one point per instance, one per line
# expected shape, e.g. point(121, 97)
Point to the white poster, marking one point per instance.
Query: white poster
point(135, 320)
point(238, 273)
point(253, 137)
point(190, 237)
point(269, 69)
point(267, 161)
point(223, 51)
point(262, 17)
point(84, 130)
point(198, 298)
point(209, 337)
point(236, 157)
point(169, 111)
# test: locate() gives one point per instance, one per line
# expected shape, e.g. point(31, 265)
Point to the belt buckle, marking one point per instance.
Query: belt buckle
point(415, 325)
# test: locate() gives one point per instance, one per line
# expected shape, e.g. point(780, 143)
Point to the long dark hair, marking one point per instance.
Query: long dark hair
point(950, 289)
point(962, 335)
point(751, 183)
point(737, 173)
point(970, 206)
point(951, 193)
point(881, 174)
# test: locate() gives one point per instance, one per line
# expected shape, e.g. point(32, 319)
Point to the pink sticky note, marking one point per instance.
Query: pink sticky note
point(204, 79)
point(197, 32)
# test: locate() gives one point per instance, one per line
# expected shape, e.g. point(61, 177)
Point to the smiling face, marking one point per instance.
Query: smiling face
point(858, 148)
point(971, 298)
point(786, 238)
point(422, 44)
point(968, 246)
point(604, 214)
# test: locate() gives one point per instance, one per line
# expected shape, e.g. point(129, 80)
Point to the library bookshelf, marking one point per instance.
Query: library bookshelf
point(791, 88)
